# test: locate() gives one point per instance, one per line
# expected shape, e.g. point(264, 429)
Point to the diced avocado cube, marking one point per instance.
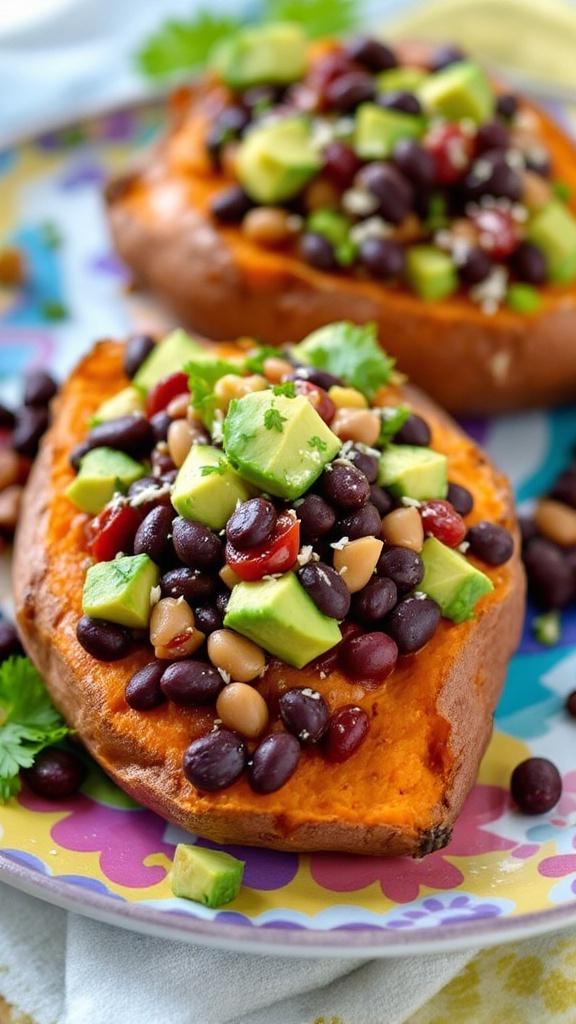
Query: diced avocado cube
point(207, 488)
point(120, 591)
point(124, 402)
point(430, 272)
point(274, 53)
point(458, 92)
point(281, 617)
point(211, 877)
point(553, 229)
point(168, 356)
point(280, 444)
point(103, 473)
point(377, 130)
point(275, 160)
point(413, 471)
point(405, 78)
point(450, 580)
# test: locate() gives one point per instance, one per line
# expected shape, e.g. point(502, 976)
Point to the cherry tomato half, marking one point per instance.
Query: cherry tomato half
point(441, 520)
point(164, 391)
point(113, 530)
point(278, 554)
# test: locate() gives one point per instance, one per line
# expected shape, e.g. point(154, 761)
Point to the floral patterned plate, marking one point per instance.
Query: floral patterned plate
point(502, 876)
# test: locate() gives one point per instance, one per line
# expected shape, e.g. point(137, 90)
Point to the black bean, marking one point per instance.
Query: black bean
point(414, 430)
point(364, 522)
point(492, 135)
point(40, 388)
point(492, 175)
point(372, 53)
point(274, 762)
point(347, 730)
point(31, 423)
point(143, 688)
point(190, 682)
point(131, 434)
point(536, 785)
point(529, 264)
point(365, 462)
point(347, 91)
point(412, 623)
point(415, 162)
point(550, 576)
point(370, 657)
point(375, 600)
point(208, 618)
point(160, 422)
point(528, 529)
point(155, 497)
point(222, 599)
point(475, 266)
point(326, 588)
point(260, 97)
point(405, 102)
point(316, 376)
point(191, 584)
point(345, 486)
point(7, 417)
point(195, 544)
point(104, 641)
point(316, 516)
point(571, 704)
point(382, 257)
point(10, 643)
point(316, 250)
point(215, 761)
point(77, 453)
point(460, 498)
point(229, 125)
point(394, 192)
point(492, 543)
point(231, 205)
point(380, 498)
point(305, 713)
point(403, 566)
point(251, 523)
point(55, 773)
point(162, 464)
point(153, 535)
point(136, 350)
point(446, 54)
point(506, 105)
point(564, 488)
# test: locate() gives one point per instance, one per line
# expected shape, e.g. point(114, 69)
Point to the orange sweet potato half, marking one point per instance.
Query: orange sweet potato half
point(429, 721)
point(500, 337)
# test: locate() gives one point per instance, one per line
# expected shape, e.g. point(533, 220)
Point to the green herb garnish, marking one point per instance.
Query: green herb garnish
point(562, 190)
point(317, 443)
point(274, 420)
point(257, 357)
point(523, 298)
point(547, 628)
point(220, 468)
point(28, 721)
point(349, 352)
point(287, 389)
point(393, 417)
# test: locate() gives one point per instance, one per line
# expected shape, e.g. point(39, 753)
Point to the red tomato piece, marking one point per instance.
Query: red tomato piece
point(278, 554)
point(441, 520)
point(319, 399)
point(113, 530)
point(498, 231)
point(164, 391)
point(452, 149)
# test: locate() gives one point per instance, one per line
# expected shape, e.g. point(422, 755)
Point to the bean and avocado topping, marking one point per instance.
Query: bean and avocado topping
point(268, 507)
point(421, 175)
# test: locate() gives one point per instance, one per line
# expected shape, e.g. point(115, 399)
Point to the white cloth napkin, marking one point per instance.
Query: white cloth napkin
point(63, 968)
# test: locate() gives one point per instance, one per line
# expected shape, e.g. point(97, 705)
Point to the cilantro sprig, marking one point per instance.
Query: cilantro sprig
point(28, 721)
point(348, 351)
point(185, 45)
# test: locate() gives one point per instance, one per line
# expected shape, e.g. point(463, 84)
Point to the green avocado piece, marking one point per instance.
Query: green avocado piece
point(211, 877)
point(280, 444)
point(168, 356)
point(126, 401)
point(281, 617)
point(450, 580)
point(276, 159)
point(553, 229)
point(103, 473)
point(349, 351)
point(377, 130)
point(405, 78)
point(412, 471)
point(207, 488)
point(458, 92)
point(272, 54)
point(430, 272)
point(119, 591)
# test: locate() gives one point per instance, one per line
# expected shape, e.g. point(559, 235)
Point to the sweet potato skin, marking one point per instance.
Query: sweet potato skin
point(430, 722)
point(218, 282)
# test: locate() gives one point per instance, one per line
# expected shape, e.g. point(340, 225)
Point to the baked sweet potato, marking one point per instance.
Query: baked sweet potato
point(471, 356)
point(429, 722)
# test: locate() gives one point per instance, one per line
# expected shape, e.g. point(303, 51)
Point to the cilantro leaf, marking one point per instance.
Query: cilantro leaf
point(393, 417)
point(318, 17)
point(287, 388)
point(257, 357)
point(350, 352)
point(29, 721)
point(183, 45)
point(273, 420)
